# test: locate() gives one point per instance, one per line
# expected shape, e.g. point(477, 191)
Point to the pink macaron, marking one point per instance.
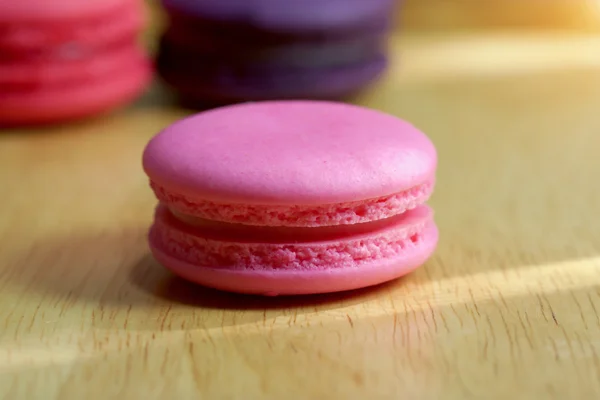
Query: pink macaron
point(291, 197)
point(65, 60)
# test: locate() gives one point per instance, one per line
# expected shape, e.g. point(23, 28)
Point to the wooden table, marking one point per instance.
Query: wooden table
point(507, 308)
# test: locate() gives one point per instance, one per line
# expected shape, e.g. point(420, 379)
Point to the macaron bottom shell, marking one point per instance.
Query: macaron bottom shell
point(300, 261)
point(324, 84)
point(292, 282)
point(64, 103)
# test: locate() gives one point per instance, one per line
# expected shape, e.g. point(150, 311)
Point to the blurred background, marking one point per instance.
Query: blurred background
point(440, 15)
point(439, 39)
point(464, 15)
point(447, 38)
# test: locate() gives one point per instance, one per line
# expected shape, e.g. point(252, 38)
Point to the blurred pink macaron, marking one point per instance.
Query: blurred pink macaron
point(291, 197)
point(65, 60)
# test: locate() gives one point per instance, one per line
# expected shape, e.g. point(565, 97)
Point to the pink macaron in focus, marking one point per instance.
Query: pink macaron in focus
point(291, 197)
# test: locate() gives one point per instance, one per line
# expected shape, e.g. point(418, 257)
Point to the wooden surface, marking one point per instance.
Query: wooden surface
point(444, 15)
point(507, 309)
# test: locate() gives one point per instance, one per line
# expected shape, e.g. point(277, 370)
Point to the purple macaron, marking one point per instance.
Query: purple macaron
point(233, 51)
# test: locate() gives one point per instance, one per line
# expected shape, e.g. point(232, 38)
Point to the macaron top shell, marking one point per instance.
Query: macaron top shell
point(289, 153)
point(46, 10)
point(286, 15)
point(71, 40)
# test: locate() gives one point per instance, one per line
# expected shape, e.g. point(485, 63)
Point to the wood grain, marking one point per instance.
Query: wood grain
point(507, 308)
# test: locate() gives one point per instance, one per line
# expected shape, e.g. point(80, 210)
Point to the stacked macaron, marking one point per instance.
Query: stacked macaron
point(244, 50)
point(291, 197)
point(66, 59)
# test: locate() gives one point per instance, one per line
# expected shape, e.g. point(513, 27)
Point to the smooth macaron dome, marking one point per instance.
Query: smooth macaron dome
point(292, 186)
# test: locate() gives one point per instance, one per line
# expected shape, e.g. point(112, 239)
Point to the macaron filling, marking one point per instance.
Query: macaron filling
point(297, 215)
point(240, 247)
point(248, 58)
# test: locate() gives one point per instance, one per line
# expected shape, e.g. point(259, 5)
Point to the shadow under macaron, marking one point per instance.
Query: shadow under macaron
point(109, 281)
point(147, 275)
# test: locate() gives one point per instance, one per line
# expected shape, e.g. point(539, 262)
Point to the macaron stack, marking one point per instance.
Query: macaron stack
point(291, 197)
point(67, 59)
point(246, 50)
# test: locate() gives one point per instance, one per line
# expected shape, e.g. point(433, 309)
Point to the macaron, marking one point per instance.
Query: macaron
point(291, 197)
point(65, 60)
point(239, 51)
